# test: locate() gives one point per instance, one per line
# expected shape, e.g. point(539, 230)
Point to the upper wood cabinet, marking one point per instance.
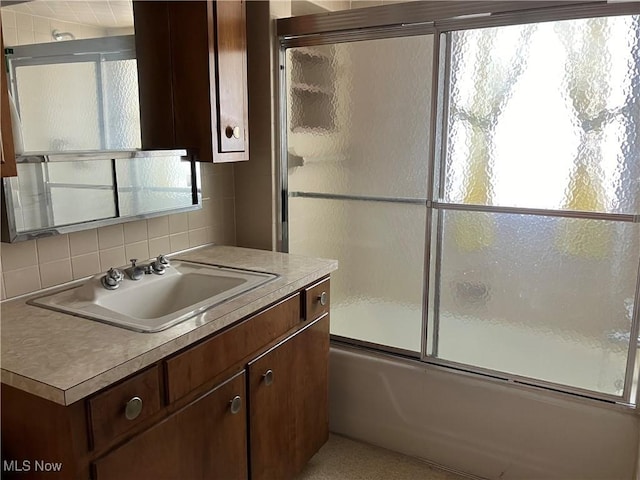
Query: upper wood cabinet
point(192, 69)
point(7, 153)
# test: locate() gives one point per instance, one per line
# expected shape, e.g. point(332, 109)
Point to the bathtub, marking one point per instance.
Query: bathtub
point(480, 426)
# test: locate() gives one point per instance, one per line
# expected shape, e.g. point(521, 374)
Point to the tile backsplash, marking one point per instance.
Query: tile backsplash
point(35, 264)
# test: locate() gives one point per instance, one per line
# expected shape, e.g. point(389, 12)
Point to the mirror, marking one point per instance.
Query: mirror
point(72, 74)
point(62, 193)
point(76, 117)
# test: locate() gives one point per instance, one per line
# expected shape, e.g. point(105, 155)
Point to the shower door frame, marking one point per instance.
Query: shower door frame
point(438, 19)
point(393, 31)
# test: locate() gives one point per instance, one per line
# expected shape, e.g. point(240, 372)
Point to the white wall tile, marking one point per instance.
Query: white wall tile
point(24, 22)
point(84, 242)
point(55, 273)
point(200, 236)
point(112, 257)
point(111, 236)
point(85, 265)
point(25, 280)
point(179, 241)
point(42, 37)
point(178, 223)
point(159, 246)
point(8, 19)
point(158, 227)
point(53, 248)
point(10, 36)
point(26, 37)
point(139, 251)
point(135, 231)
point(202, 217)
point(18, 255)
point(42, 25)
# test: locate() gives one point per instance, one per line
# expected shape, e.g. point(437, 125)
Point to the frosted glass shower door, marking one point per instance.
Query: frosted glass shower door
point(537, 246)
point(358, 142)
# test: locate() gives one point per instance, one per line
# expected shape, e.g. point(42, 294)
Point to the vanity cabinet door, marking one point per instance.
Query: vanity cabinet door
point(7, 154)
point(192, 69)
point(288, 415)
point(204, 440)
point(231, 57)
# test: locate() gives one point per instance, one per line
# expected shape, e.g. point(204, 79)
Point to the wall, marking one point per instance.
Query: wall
point(255, 180)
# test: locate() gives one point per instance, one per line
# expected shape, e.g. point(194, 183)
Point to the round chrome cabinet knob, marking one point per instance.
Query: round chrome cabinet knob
point(232, 132)
point(268, 377)
point(133, 409)
point(322, 298)
point(236, 404)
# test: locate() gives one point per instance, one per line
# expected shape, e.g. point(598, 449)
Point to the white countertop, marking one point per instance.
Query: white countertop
point(64, 358)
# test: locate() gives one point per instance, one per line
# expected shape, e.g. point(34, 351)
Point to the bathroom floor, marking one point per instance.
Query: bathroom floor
point(344, 459)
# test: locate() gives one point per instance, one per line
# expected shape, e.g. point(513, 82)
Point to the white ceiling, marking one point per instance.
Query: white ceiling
point(100, 13)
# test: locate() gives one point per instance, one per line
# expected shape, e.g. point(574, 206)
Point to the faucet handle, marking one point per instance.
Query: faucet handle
point(112, 279)
point(159, 265)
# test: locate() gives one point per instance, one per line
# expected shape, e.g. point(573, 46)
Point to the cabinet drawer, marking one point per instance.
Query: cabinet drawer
point(204, 440)
point(197, 365)
point(123, 406)
point(317, 300)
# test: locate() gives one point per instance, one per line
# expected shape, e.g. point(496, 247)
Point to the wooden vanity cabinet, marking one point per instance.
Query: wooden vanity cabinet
point(192, 69)
point(288, 415)
point(7, 154)
point(205, 440)
point(250, 401)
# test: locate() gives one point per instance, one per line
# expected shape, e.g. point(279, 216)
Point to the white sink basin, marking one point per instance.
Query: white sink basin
point(156, 302)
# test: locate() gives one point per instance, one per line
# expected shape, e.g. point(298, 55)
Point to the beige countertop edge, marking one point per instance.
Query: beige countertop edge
point(33, 386)
point(68, 394)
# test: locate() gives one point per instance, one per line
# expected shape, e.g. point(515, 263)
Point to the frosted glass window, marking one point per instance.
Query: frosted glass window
point(59, 108)
point(77, 95)
point(122, 107)
point(546, 116)
point(542, 297)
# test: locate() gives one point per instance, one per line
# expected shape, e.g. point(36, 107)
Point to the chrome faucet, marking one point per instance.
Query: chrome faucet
point(158, 266)
point(135, 272)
